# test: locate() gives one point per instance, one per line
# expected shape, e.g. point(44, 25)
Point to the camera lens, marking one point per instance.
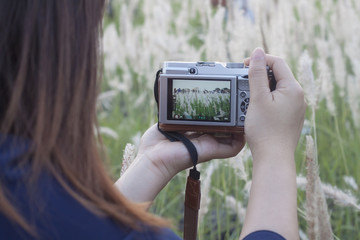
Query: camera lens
point(192, 70)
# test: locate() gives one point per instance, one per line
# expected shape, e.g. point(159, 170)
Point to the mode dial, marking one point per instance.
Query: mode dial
point(234, 65)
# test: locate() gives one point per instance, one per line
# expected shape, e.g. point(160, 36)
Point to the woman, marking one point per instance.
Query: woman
point(52, 181)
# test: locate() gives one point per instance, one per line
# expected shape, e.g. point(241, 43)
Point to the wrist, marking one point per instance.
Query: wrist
point(167, 159)
point(143, 180)
point(273, 156)
point(157, 166)
point(276, 147)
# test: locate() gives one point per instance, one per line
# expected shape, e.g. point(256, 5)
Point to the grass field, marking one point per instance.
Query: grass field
point(320, 41)
point(202, 106)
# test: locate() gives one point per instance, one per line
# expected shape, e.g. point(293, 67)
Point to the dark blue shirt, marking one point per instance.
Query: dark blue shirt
point(55, 214)
point(52, 210)
point(263, 235)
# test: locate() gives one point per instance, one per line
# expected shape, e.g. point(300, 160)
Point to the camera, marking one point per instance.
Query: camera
point(204, 96)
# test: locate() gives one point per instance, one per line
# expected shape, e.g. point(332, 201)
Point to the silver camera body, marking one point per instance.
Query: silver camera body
point(203, 96)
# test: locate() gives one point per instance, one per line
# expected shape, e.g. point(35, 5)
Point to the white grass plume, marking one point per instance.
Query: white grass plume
point(106, 131)
point(306, 78)
point(237, 163)
point(128, 158)
point(354, 98)
point(326, 86)
point(318, 219)
point(349, 180)
point(340, 197)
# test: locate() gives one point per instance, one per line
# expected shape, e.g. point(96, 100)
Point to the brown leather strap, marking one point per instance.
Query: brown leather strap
point(192, 206)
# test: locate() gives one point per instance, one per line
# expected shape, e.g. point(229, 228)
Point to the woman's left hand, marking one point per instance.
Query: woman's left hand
point(159, 160)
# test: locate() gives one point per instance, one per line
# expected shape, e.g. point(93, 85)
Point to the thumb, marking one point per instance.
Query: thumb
point(258, 79)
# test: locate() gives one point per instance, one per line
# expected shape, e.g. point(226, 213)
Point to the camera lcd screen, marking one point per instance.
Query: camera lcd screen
point(199, 100)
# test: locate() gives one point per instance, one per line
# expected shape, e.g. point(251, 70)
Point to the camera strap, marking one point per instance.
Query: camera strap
point(192, 191)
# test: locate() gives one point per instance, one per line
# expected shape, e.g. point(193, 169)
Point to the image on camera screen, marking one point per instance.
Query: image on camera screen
point(200, 100)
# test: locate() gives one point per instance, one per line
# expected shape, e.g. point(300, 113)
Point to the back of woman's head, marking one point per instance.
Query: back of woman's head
point(49, 68)
point(49, 72)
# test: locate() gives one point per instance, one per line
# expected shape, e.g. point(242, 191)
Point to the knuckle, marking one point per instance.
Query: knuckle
point(279, 59)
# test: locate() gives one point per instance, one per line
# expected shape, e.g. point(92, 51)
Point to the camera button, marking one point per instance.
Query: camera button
point(243, 94)
point(192, 71)
point(243, 106)
point(242, 118)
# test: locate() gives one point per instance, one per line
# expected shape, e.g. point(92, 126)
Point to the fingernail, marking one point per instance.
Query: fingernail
point(258, 54)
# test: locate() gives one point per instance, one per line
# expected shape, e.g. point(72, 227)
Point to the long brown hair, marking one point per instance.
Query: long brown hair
point(50, 67)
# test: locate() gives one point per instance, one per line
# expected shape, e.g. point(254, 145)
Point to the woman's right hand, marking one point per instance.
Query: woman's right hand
point(272, 129)
point(274, 119)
